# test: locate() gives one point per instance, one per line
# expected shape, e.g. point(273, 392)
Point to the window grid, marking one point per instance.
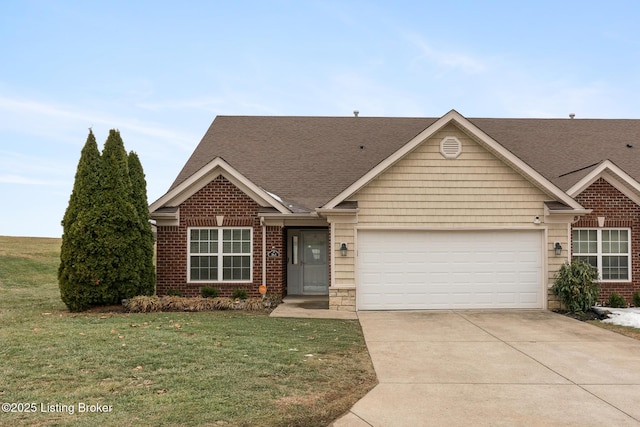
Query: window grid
point(217, 255)
point(606, 249)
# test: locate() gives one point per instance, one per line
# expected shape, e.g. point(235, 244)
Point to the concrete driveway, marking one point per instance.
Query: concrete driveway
point(496, 368)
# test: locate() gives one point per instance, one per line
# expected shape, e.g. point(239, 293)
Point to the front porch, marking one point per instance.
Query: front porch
point(310, 306)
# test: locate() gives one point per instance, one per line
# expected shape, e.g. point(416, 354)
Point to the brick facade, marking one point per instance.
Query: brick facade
point(219, 198)
point(619, 211)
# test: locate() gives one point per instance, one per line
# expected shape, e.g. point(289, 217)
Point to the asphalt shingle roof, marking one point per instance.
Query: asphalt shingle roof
point(307, 161)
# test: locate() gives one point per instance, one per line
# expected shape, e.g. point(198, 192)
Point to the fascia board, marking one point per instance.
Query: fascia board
point(615, 176)
point(454, 116)
point(207, 173)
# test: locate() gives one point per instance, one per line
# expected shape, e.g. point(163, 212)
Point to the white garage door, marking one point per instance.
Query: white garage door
point(408, 270)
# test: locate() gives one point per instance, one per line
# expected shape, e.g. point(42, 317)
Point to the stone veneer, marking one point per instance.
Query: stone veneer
point(343, 299)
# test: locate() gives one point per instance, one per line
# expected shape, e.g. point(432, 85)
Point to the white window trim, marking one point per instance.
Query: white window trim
point(599, 253)
point(220, 255)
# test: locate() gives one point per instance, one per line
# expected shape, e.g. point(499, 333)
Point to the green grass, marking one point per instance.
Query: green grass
point(214, 368)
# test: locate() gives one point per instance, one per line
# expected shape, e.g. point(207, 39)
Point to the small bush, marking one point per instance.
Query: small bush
point(616, 300)
point(636, 299)
point(172, 303)
point(272, 300)
point(142, 304)
point(174, 293)
point(240, 294)
point(208, 292)
point(576, 286)
point(223, 303)
point(254, 304)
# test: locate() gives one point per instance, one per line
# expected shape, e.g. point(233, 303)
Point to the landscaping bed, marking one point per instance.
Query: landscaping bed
point(154, 304)
point(584, 316)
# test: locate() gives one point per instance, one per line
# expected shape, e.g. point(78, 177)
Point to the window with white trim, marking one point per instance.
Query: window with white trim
point(220, 254)
point(607, 249)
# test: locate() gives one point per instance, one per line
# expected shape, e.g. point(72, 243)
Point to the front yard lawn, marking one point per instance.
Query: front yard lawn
point(211, 368)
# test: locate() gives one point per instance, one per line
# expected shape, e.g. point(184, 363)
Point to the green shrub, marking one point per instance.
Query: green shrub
point(174, 293)
point(616, 300)
point(209, 292)
point(576, 285)
point(240, 294)
point(636, 299)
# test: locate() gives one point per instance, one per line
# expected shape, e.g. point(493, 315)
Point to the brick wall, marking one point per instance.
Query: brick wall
point(619, 211)
point(219, 197)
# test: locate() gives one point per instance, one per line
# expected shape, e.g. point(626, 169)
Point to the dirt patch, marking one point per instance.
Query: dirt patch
point(308, 400)
point(117, 308)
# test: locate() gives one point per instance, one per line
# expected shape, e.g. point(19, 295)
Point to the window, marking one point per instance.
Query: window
point(609, 250)
point(220, 254)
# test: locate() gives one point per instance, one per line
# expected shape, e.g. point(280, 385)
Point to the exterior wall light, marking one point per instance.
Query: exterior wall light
point(343, 249)
point(557, 247)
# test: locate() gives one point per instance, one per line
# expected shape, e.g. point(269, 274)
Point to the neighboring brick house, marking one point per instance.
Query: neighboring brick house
point(613, 222)
point(403, 213)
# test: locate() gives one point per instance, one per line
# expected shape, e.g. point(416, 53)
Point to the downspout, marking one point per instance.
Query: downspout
point(332, 252)
point(264, 252)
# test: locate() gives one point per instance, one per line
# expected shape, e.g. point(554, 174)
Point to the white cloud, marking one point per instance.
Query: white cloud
point(209, 104)
point(22, 180)
point(56, 121)
point(447, 59)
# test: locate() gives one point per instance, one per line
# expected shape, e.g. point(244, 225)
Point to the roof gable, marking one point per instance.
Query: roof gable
point(482, 138)
point(615, 176)
point(218, 166)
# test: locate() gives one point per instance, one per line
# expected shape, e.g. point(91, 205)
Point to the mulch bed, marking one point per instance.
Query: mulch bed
point(588, 315)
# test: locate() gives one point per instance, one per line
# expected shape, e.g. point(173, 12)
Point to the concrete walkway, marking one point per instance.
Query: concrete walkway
point(496, 368)
point(310, 306)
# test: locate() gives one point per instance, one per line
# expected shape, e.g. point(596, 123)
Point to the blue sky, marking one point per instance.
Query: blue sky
point(160, 71)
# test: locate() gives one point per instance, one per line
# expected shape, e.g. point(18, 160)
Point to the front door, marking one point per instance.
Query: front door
point(308, 267)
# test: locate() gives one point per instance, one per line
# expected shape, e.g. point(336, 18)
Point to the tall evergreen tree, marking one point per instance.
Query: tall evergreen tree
point(75, 279)
point(107, 243)
point(118, 231)
point(139, 199)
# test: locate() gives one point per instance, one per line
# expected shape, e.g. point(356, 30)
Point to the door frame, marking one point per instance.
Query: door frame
point(295, 272)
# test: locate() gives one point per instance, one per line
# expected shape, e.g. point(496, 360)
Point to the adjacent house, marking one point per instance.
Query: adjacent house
point(383, 213)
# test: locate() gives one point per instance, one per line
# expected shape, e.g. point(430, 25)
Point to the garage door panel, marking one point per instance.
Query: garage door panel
point(443, 270)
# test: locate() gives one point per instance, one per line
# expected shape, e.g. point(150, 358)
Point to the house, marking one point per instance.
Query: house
point(403, 213)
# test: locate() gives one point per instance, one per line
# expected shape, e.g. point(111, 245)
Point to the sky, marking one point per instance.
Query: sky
point(161, 71)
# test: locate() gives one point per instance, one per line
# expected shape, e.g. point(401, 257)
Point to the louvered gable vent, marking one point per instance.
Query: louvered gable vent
point(450, 147)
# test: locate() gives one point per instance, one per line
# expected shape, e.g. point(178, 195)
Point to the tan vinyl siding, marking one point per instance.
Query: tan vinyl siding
point(425, 189)
point(557, 233)
point(344, 265)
